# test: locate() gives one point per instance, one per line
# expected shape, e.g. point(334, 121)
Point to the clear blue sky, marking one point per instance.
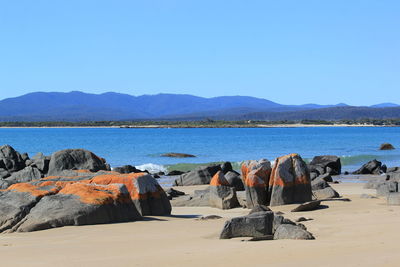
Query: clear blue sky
point(291, 52)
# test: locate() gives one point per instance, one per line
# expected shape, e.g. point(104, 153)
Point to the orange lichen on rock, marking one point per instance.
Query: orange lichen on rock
point(129, 180)
point(96, 194)
point(32, 189)
point(254, 180)
point(219, 179)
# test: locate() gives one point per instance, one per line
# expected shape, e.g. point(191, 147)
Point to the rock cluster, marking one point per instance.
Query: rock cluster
point(264, 225)
point(17, 168)
point(287, 182)
point(203, 175)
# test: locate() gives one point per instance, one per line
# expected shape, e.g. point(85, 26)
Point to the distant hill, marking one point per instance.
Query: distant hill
point(79, 106)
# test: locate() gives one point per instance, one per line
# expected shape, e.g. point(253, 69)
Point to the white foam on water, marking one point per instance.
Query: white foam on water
point(152, 168)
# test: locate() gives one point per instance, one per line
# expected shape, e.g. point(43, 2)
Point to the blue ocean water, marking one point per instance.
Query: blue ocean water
point(355, 145)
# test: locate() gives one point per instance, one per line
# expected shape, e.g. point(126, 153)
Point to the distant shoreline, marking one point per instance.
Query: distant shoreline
point(155, 126)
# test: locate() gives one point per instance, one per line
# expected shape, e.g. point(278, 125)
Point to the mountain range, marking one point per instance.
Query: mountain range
point(80, 106)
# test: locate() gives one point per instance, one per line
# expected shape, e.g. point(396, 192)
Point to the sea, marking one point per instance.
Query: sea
point(143, 147)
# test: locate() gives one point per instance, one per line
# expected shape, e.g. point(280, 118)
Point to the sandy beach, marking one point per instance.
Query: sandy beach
point(362, 232)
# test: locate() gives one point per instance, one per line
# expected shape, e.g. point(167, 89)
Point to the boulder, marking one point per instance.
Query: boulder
point(371, 167)
point(41, 162)
point(254, 225)
point(25, 175)
point(234, 180)
point(222, 195)
point(326, 164)
point(311, 205)
point(200, 175)
point(80, 204)
point(325, 193)
point(385, 188)
point(289, 182)
point(319, 184)
point(386, 146)
point(126, 169)
point(289, 231)
point(10, 159)
point(75, 159)
point(147, 195)
point(178, 155)
point(256, 175)
point(278, 220)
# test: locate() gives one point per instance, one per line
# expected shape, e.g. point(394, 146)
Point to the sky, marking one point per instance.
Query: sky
point(290, 52)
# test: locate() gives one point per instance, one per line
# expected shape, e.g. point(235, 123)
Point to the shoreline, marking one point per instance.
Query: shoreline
point(297, 125)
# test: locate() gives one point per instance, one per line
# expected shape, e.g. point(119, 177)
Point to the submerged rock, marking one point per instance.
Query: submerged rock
point(386, 146)
point(178, 155)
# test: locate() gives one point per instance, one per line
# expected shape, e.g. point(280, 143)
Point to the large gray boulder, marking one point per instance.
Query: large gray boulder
point(371, 167)
point(326, 164)
point(75, 159)
point(200, 175)
point(10, 160)
point(289, 231)
point(325, 193)
point(254, 225)
point(25, 175)
point(71, 206)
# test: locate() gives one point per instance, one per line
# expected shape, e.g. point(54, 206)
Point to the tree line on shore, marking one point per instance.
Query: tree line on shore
point(200, 123)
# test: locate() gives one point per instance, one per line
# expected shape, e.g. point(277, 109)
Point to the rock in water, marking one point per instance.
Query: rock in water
point(371, 167)
point(290, 181)
point(178, 155)
point(199, 176)
point(254, 225)
point(255, 175)
point(222, 195)
point(326, 164)
point(75, 159)
point(126, 169)
point(386, 146)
